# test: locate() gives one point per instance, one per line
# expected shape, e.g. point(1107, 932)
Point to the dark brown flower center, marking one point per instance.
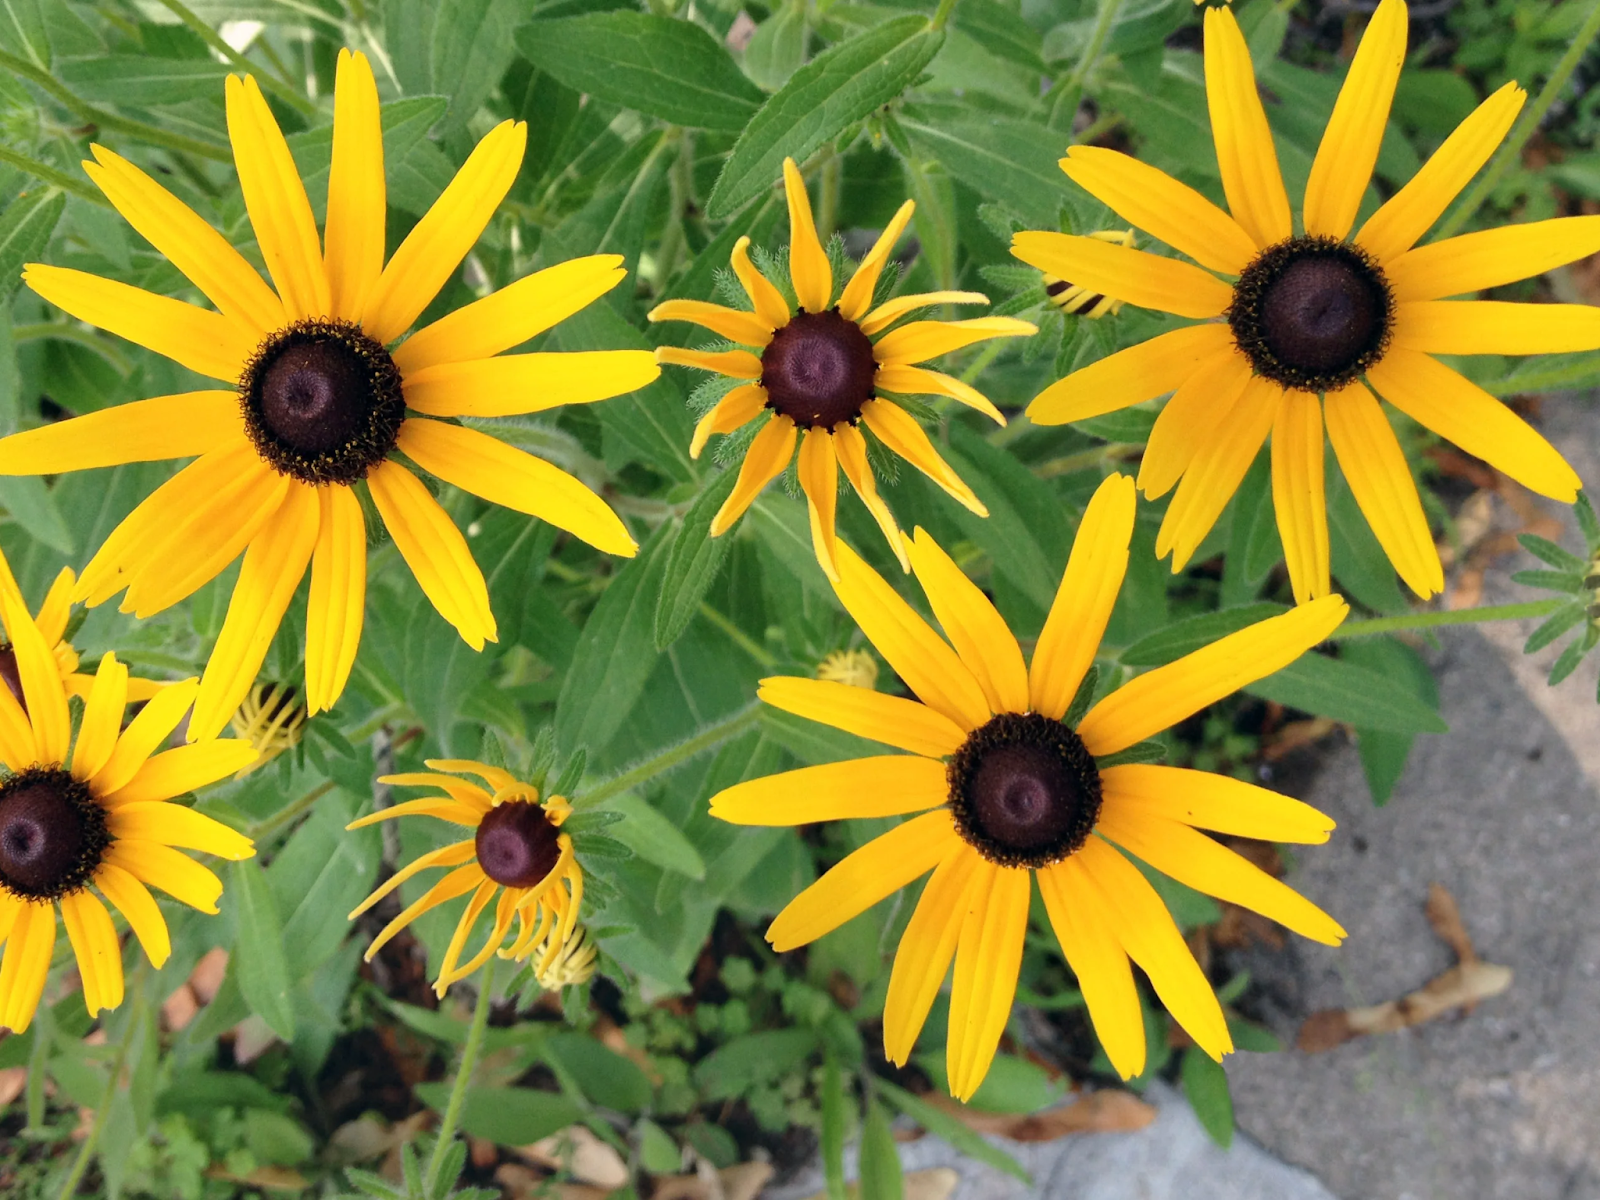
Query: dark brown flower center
point(10, 675)
point(1312, 313)
point(322, 402)
point(52, 834)
point(1024, 790)
point(517, 844)
point(818, 369)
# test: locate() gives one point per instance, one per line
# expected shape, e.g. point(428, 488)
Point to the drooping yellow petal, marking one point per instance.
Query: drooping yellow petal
point(1245, 153)
point(1150, 199)
point(1490, 257)
point(890, 311)
point(452, 855)
point(174, 772)
point(1380, 479)
point(273, 567)
point(1411, 211)
point(56, 611)
point(917, 381)
point(496, 777)
point(206, 342)
point(975, 628)
point(429, 806)
point(102, 718)
point(914, 651)
point(1098, 960)
point(154, 724)
point(26, 964)
point(134, 901)
point(809, 270)
point(736, 325)
point(926, 948)
point(1185, 422)
point(515, 479)
point(436, 244)
point(458, 882)
point(188, 243)
point(1298, 495)
point(280, 214)
point(988, 959)
point(1134, 276)
point(851, 448)
point(1132, 376)
point(435, 551)
point(1494, 327)
point(764, 461)
point(858, 881)
point(1161, 698)
point(511, 316)
point(1349, 148)
point(1459, 411)
point(458, 939)
point(357, 192)
point(459, 790)
point(734, 411)
point(818, 472)
point(892, 720)
point(857, 295)
point(43, 694)
point(158, 866)
point(1207, 800)
point(898, 430)
point(338, 599)
point(737, 364)
point(1083, 603)
point(887, 786)
point(504, 910)
point(513, 384)
point(765, 297)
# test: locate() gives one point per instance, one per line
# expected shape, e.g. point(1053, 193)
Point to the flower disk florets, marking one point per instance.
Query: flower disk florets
point(818, 369)
point(1312, 313)
point(1024, 790)
point(52, 834)
point(517, 844)
point(322, 402)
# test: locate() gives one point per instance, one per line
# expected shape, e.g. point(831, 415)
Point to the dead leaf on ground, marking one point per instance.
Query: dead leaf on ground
point(1109, 1110)
point(12, 1082)
point(1297, 734)
point(272, 1179)
point(190, 996)
point(579, 1152)
point(741, 1182)
point(934, 1183)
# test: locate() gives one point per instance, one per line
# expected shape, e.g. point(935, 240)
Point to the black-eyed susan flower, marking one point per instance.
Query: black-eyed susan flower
point(1307, 325)
point(95, 814)
point(321, 399)
point(820, 371)
point(517, 850)
point(1007, 792)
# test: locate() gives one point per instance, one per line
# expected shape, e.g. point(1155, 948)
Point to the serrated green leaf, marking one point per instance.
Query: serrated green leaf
point(693, 563)
point(141, 80)
point(1205, 1084)
point(1547, 551)
point(1150, 751)
point(1329, 687)
point(1554, 626)
point(23, 32)
point(1384, 752)
point(1554, 581)
point(25, 229)
point(258, 948)
point(32, 505)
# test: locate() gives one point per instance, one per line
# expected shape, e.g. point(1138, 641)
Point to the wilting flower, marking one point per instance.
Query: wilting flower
point(1010, 788)
point(819, 374)
point(321, 402)
point(1312, 320)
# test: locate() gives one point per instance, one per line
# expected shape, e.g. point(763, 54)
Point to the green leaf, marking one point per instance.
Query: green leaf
point(606, 1077)
point(258, 947)
point(694, 562)
point(777, 47)
point(1003, 159)
point(1013, 1085)
point(1023, 512)
point(507, 1116)
point(735, 1067)
point(1190, 634)
point(1557, 623)
point(142, 80)
point(1205, 1083)
point(842, 85)
point(33, 506)
point(1555, 581)
point(1000, 31)
point(1247, 1035)
point(1384, 752)
point(322, 869)
point(656, 65)
point(657, 1151)
point(23, 32)
point(942, 1125)
point(1330, 687)
point(277, 1139)
point(472, 46)
point(882, 1177)
point(25, 229)
point(1358, 561)
point(1547, 551)
point(833, 1125)
point(654, 838)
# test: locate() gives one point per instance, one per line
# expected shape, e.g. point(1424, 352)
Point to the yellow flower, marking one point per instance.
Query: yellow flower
point(319, 401)
point(564, 960)
point(1310, 321)
point(855, 667)
point(101, 815)
point(517, 849)
point(1008, 792)
point(270, 719)
point(820, 371)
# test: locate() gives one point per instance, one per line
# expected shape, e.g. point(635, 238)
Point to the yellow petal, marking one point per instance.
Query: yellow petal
point(1411, 211)
point(281, 215)
point(461, 880)
point(337, 603)
point(1152, 200)
point(809, 269)
point(1134, 276)
point(356, 190)
point(429, 806)
point(511, 316)
point(174, 772)
point(1459, 411)
point(96, 949)
point(206, 342)
point(764, 461)
point(734, 411)
point(1461, 265)
point(134, 901)
point(55, 612)
point(445, 856)
point(914, 651)
point(1096, 957)
point(195, 248)
point(102, 718)
point(44, 696)
point(857, 295)
point(888, 786)
point(26, 964)
point(898, 430)
point(1298, 495)
point(458, 790)
point(890, 311)
point(851, 448)
point(1350, 143)
point(892, 720)
point(975, 628)
point(436, 244)
point(177, 426)
point(514, 479)
point(523, 383)
point(435, 551)
point(1380, 479)
point(988, 959)
point(504, 911)
point(1132, 376)
point(273, 567)
point(154, 724)
point(737, 364)
point(458, 939)
point(917, 381)
point(1083, 603)
point(1209, 801)
point(736, 325)
point(818, 472)
point(1187, 420)
point(858, 881)
point(1495, 327)
point(1161, 698)
point(1245, 153)
point(178, 875)
point(765, 298)
point(175, 824)
point(926, 948)
point(496, 777)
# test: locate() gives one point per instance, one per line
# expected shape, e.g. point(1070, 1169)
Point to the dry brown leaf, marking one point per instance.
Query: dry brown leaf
point(578, 1151)
point(1297, 734)
point(1445, 917)
point(745, 1181)
point(1110, 1110)
point(272, 1179)
point(206, 978)
point(12, 1082)
point(934, 1183)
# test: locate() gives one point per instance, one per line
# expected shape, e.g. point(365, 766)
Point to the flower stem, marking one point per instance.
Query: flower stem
point(1511, 151)
point(55, 178)
point(211, 38)
point(458, 1090)
point(1432, 620)
point(942, 14)
point(1064, 98)
point(674, 756)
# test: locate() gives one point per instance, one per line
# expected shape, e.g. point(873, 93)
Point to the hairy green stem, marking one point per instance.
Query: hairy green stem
point(942, 14)
point(706, 739)
point(210, 37)
point(1065, 96)
point(48, 174)
point(69, 1186)
point(458, 1089)
point(1432, 620)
